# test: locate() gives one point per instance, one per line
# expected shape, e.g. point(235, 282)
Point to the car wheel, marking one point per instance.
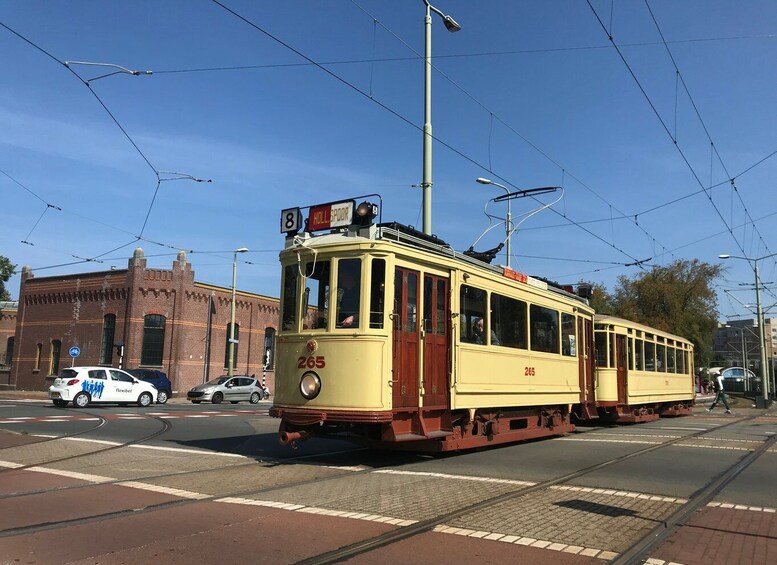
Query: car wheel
point(255, 398)
point(81, 400)
point(162, 397)
point(145, 399)
point(59, 403)
point(217, 398)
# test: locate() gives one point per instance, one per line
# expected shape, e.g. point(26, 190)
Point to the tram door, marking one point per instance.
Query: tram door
point(620, 353)
point(435, 332)
point(406, 338)
point(585, 340)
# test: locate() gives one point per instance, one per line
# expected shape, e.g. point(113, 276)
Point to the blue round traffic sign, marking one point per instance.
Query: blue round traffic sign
point(75, 351)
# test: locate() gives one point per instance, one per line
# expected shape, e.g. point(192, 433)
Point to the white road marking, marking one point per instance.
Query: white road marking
point(459, 477)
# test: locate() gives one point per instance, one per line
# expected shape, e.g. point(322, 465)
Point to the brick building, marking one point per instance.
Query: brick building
point(7, 330)
point(163, 318)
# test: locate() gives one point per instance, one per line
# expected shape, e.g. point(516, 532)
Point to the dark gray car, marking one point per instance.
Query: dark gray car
point(225, 388)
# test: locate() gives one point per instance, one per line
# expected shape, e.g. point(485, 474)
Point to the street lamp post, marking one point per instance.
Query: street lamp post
point(759, 316)
point(231, 365)
point(509, 223)
point(426, 182)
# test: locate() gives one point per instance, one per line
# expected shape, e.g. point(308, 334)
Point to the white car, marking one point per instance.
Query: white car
point(84, 385)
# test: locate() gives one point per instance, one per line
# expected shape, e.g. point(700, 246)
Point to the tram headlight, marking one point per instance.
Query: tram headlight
point(310, 385)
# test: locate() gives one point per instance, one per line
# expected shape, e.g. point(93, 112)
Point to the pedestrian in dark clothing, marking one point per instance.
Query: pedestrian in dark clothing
point(720, 395)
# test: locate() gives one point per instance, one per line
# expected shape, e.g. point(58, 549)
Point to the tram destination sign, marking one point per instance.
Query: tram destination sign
point(334, 215)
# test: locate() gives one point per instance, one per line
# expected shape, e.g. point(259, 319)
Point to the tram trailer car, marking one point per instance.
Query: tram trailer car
point(379, 342)
point(641, 372)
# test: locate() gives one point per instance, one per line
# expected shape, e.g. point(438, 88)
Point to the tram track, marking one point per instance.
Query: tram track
point(166, 426)
point(638, 550)
point(351, 550)
point(100, 424)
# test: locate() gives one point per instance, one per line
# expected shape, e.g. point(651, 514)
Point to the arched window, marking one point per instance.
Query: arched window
point(56, 348)
point(269, 348)
point(226, 347)
point(106, 350)
point(9, 351)
point(153, 340)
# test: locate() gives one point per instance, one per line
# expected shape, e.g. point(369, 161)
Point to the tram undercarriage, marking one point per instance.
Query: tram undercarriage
point(431, 430)
point(623, 413)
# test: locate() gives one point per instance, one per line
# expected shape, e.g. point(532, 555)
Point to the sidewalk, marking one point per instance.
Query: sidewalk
point(44, 395)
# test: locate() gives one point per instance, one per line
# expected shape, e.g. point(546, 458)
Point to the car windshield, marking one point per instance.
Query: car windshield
point(218, 381)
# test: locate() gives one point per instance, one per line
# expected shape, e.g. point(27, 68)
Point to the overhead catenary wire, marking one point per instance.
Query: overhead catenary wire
point(664, 125)
point(399, 115)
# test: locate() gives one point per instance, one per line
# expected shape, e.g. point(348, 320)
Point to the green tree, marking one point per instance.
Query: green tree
point(6, 270)
point(677, 298)
point(601, 300)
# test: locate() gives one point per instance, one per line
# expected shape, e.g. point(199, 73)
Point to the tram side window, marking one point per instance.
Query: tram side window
point(630, 353)
point(316, 295)
point(349, 276)
point(289, 307)
point(377, 293)
point(661, 358)
point(688, 368)
point(544, 329)
point(639, 358)
point(508, 322)
point(681, 361)
point(670, 365)
point(473, 310)
point(600, 343)
point(650, 356)
point(568, 336)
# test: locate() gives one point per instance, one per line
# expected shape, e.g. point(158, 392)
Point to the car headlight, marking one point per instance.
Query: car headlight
point(310, 385)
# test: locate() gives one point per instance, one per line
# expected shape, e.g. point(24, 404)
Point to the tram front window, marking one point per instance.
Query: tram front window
point(289, 307)
point(349, 276)
point(316, 295)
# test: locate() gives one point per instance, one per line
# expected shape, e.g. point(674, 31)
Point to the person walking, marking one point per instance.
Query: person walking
point(720, 395)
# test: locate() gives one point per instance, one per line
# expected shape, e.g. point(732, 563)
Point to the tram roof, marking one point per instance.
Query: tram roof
point(411, 238)
point(614, 320)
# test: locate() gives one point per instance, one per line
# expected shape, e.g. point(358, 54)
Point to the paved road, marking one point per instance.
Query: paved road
point(216, 486)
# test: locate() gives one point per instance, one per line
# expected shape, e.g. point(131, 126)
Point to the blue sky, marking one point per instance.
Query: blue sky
point(529, 94)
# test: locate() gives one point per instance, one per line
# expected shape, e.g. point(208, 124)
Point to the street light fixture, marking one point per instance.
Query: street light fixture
point(232, 340)
point(759, 316)
point(181, 176)
point(509, 223)
point(426, 182)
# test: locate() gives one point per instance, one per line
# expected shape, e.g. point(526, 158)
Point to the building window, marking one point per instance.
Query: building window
point(56, 348)
point(226, 349)
point(109, 327)
point(153, 340)
point(38, 354)
point(269, 349)
point(9, 352)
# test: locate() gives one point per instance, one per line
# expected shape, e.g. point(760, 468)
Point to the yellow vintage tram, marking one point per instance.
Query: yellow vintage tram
point(641, 373)
point(391, 337)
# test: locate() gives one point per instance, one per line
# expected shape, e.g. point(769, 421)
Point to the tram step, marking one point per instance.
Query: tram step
point(439, 433)
point(409, 437)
